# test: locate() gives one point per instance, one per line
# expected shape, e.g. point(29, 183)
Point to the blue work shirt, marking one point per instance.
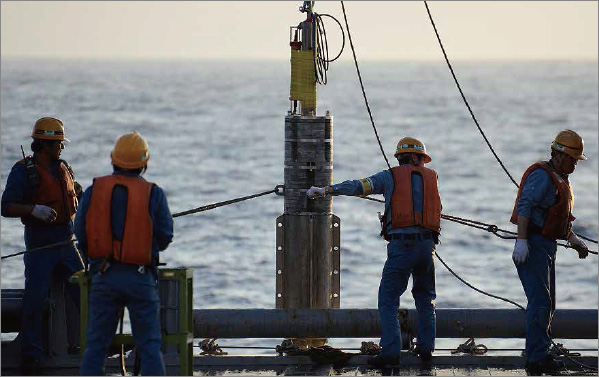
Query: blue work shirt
point(382, 183)
point(19, 190)
point(538, 194)
point(162, 221)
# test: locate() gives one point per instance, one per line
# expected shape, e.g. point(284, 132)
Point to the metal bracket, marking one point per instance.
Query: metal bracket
point(280, 262)
point(280, 190)
point(336, 259)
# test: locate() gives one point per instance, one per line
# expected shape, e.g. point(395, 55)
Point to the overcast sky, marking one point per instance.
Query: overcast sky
point(249, 29)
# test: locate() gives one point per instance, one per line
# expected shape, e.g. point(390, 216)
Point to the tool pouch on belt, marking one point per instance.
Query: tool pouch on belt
point(384, 232)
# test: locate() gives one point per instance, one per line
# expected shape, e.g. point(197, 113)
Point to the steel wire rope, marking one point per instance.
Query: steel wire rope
point(37, 249)
point(278, 190)
point(351, 43)
point(492, 228)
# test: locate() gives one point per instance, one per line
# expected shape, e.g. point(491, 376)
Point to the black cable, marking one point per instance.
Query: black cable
point(586, 238)
point(473, 287)
point(464, 97)
point(226, 202)
point(37, 249)
point(342, 35)
point(492, 228)
point(351, 43)
point(321, 51)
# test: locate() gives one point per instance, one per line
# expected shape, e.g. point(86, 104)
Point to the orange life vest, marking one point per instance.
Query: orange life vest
point(558, 222)
point(402, 207)
point(57, 193)
point(135, 247)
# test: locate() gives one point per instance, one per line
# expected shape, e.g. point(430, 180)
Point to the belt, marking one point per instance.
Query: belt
point(411, 236)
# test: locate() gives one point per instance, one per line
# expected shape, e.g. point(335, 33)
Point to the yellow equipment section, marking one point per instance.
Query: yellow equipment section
point(303, 78)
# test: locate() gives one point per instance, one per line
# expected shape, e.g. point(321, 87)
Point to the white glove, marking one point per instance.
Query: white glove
point(520, 254)
point(579, 245)
point(43, 213)
point(314, 192)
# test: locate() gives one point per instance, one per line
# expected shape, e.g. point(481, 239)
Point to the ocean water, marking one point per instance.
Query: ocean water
point(216, 132)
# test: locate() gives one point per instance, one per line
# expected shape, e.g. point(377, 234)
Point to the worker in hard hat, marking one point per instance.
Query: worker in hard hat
point(543, 213)
point(411, 225)
point(123, 222)
point(42, 191)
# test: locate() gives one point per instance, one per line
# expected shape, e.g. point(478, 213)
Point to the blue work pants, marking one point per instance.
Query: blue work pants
point(39, 267)
point(537, 275)
point(122, 285)
point(405, 258)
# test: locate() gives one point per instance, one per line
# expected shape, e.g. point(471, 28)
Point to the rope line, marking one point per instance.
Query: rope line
point(492, 228)
point(351, 43)
point(586, 238)
point(37, 249)
point(278, 190)
point(464, 97)
point(473, 287)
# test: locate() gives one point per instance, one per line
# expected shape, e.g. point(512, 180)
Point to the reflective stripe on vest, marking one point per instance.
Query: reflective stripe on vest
point(402, 206)
point(559, 216)
point(57, 193)
point(135, 247)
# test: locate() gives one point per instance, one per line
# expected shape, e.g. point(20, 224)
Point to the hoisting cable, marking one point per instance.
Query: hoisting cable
point(279, 190)
point(351, 43)
point(492, 228)
point(464, 97)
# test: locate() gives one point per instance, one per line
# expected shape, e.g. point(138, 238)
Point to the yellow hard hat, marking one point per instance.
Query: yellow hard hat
point(570, 143)
point(411, 145)
point(130, 151)
point(48, 128)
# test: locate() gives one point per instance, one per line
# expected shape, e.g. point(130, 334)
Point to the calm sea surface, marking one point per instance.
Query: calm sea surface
point(216, 132)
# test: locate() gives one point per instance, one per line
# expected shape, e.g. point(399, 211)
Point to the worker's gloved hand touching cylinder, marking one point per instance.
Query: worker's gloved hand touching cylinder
point(43, 213)
point(315, 192)
point(520, 254)
point(579, 245)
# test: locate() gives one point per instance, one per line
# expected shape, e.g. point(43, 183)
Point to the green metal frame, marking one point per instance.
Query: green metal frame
point(183, 338)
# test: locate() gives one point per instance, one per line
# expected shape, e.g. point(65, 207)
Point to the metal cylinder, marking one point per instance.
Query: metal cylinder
point(364, 323)
point(308, 162)
point(308, 261)
point(308, 247)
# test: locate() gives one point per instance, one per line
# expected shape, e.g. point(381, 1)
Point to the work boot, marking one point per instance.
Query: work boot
point(379, 361)
point(426, 358)
point(547, 365)
point(30, 366)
